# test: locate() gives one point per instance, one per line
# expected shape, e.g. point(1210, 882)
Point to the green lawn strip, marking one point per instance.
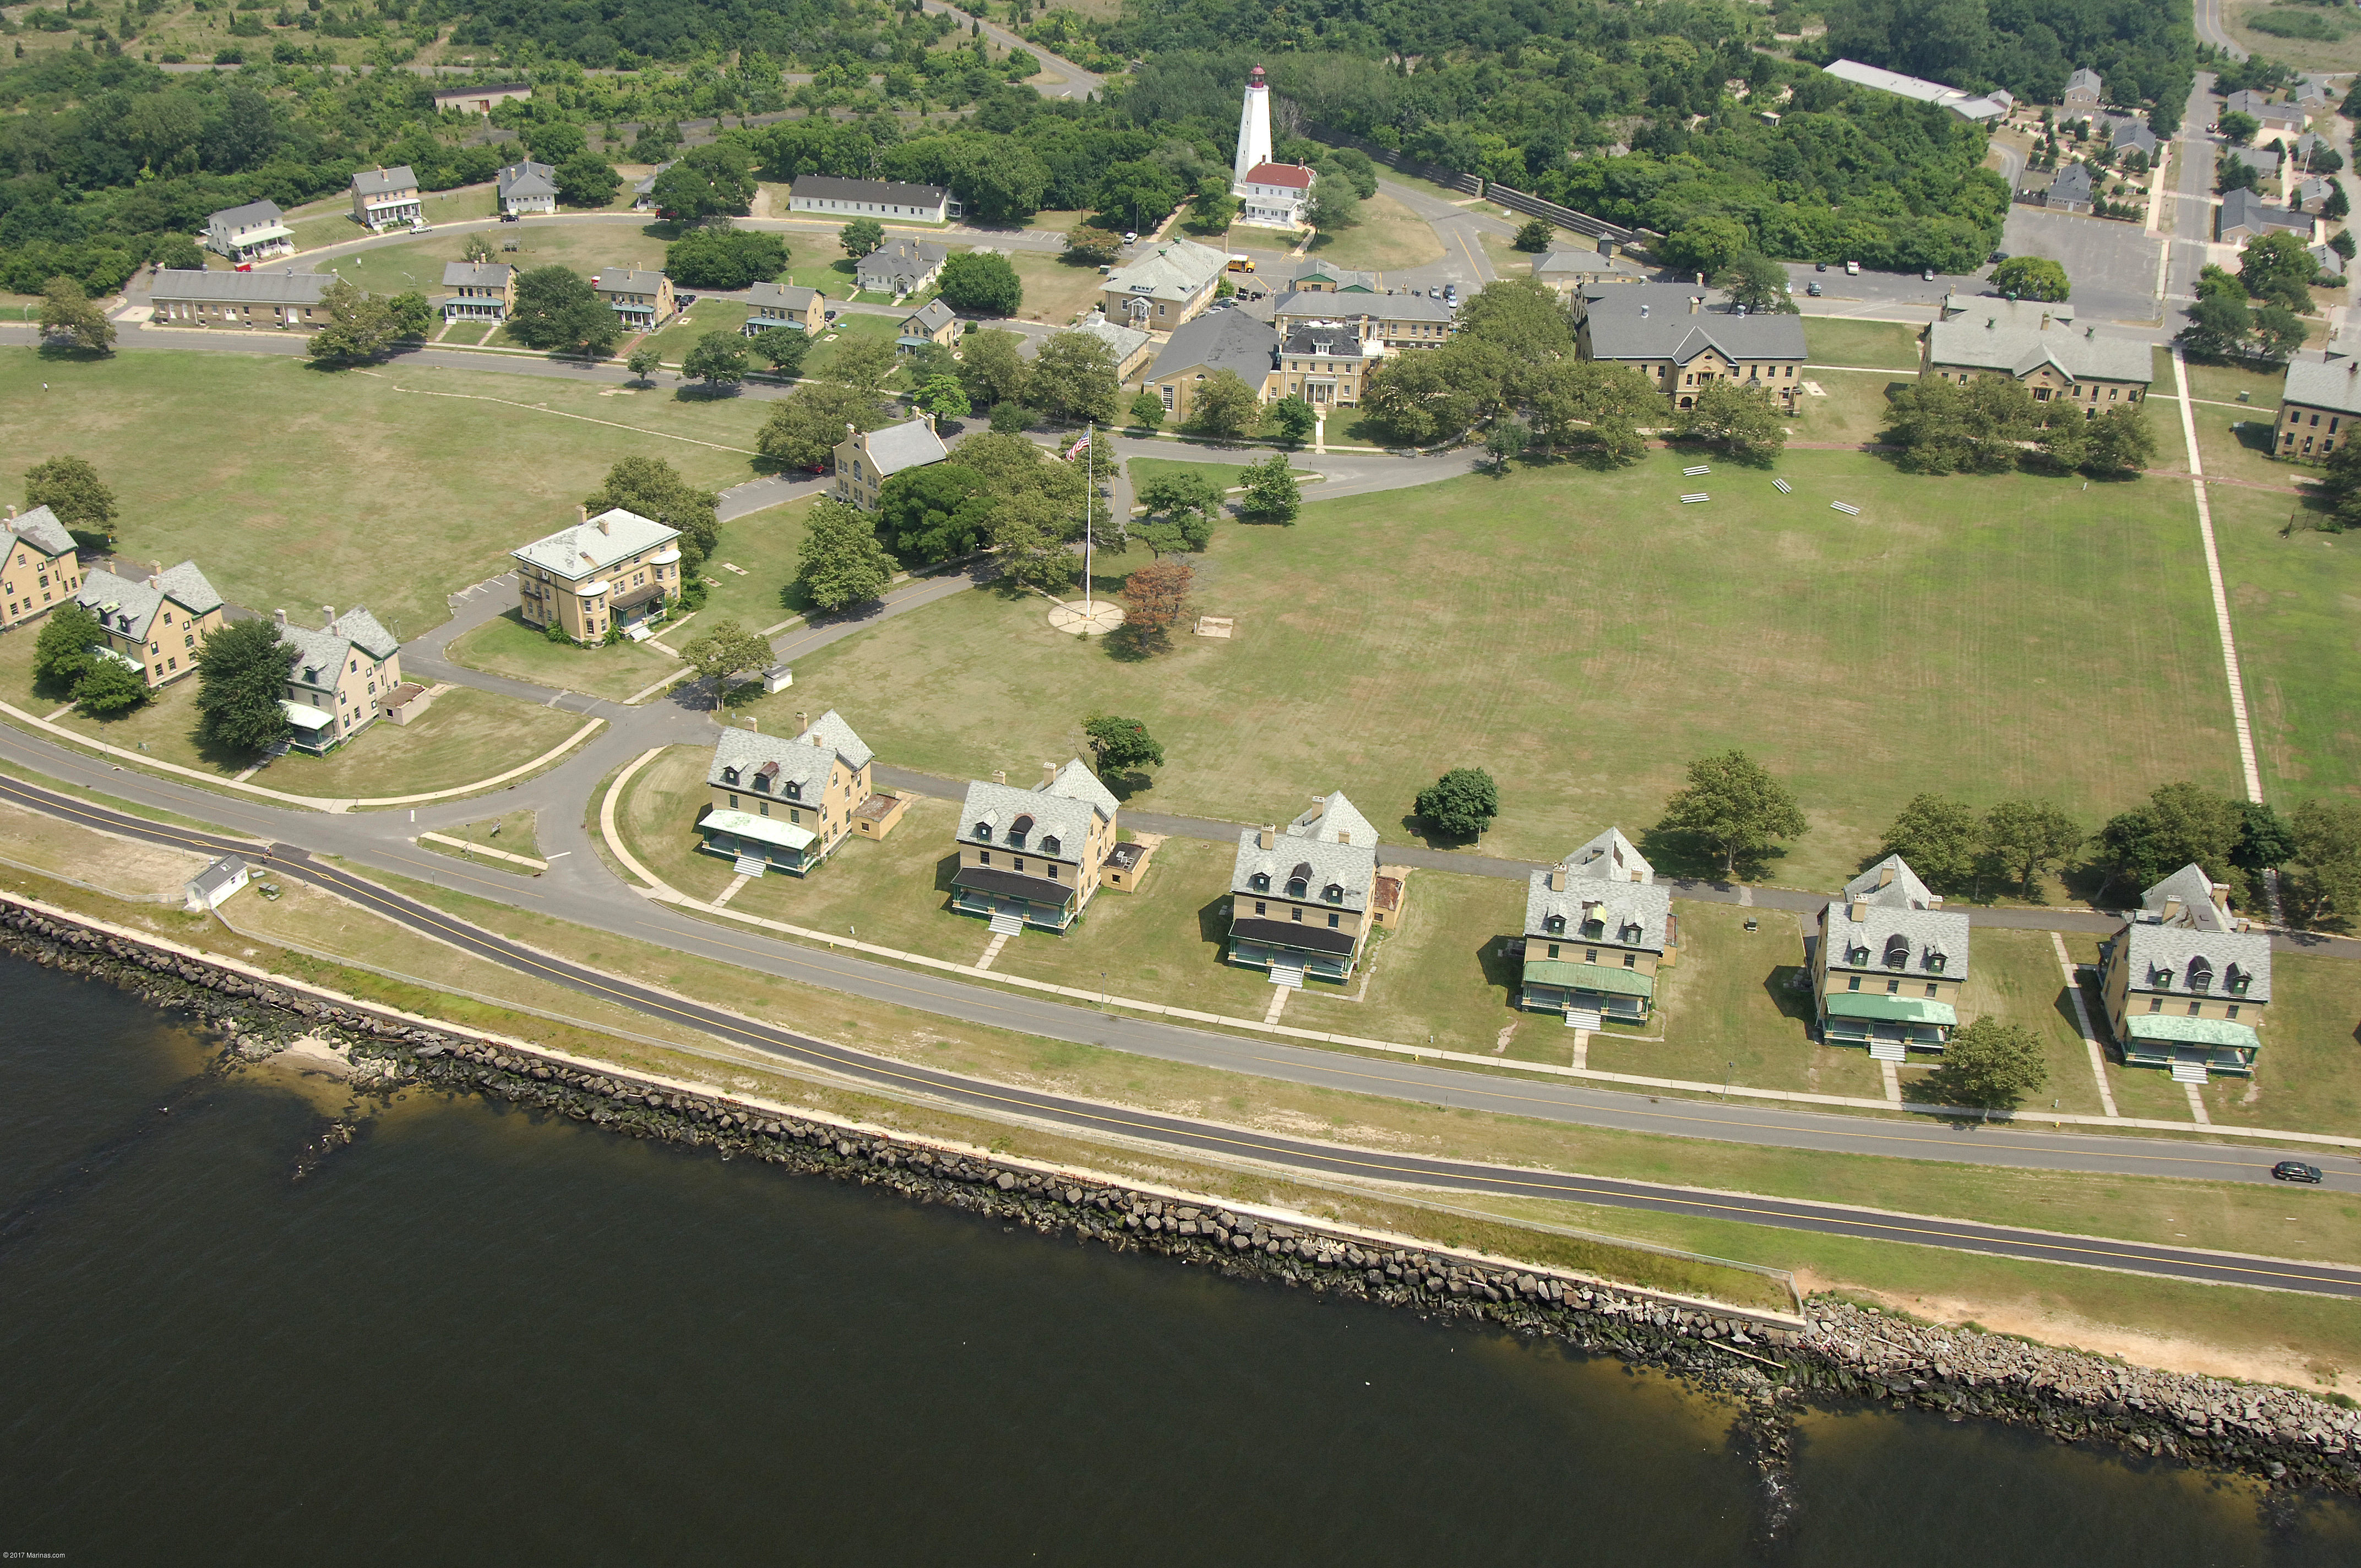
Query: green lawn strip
point(2235, 444)
point(823, 353)
point(1056, 290)
point(2059, 1303)
point(679, 335)
point(2292, 602)
point(1388, 238)
point(330, 222)
point(512, 831)
point(506, 646)
point(1876, 346)
point(2223, 381)
point(468, 334)
point(2223, 1214)
point(1491, 618)
point(586, 247)
point(2014, 975)
point(398, 469)
point(2308, 1076)
point(1852, 406)
point(762, 546)
point(830, 272)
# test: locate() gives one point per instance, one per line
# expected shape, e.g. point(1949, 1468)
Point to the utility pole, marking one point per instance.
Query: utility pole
point(1089, 505)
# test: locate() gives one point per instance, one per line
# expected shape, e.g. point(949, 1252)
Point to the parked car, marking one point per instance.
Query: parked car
point(1852, 268)
point(1819, 266)
point(1813, 289)
point(2296, 1170)
point(509, 217)
point(1930, 275)
point(684, 300)
point(1132, 238)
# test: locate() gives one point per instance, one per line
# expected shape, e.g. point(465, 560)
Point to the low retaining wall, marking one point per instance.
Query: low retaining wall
point(1767, 1363)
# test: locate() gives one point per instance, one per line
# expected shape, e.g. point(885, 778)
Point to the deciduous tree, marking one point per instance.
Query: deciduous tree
point(718, 359)
point(1535, 236)
point(1990, 1063)
point(1334, 205)
point(61, 652)
point(75, 495)
point(2032, 278)
point(936, 512)
point(1224, 406)
point(2182, 824)
point(1089, 245)
point(1073, 377)
point(1120, 746)
point(1742, 419)
point(1292, 418)
point(1272, 495)
point(863, 363)
point(112, 689)
point(2023, 838)
point(1031, 535)
point(358, 326)
point(1945, 428)
point(1461, 804)
point(943, 396)
point(2327, 836)
point(1155, 600)
point(1148, 411)
point(841, 563)
point(980, 283)
point(724, 258)
point(1937, 835)
point(781, 348)
point(992, 368)
point(557, 309)
point(654, 488)
point(1752, 280)
point(242, 672)
point(68, 313)
point(860, 236)
point(2121, 442)
point(1733, 806)
point(726, 649)
point(645, 362)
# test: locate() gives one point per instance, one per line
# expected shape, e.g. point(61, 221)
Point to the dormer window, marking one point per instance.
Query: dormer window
point(1259, 881)
point(729, 776)
point(1594, 928)
point(1017, 831)
point(1935, 961)
point(2236, 981)
point(984, 832)
point(2201, 974)
point(762, 784)
point(795, 789)
point(1857, 955)
point(1897, 951)
point(1048, 843)
point(2161, 978)
point(1555, 925)
point(1333, 894)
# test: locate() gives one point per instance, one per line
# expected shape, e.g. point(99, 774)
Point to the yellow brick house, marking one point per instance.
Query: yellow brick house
point(611, 570)
point(39, 568)
point(155, 623)
point(1598, 929)
point(785, 802)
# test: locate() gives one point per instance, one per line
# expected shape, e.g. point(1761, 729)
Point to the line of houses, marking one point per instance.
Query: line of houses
point(2184, 981)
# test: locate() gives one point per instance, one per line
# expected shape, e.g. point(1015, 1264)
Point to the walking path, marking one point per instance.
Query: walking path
point(2253, 775)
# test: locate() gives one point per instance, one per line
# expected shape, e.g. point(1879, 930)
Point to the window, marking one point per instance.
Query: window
point(1852, 982)
point(796, 816)
point(1552, 949)
point(1931, 990)
point(734, 803)
point(2156, 1004)
point(1262, 909)
point(1892, 988)
point(1053, 871)
point(1331, 922)
point(1897, 951)
point(1050, 845)
point(2233, 1012)
point(984, 832)
point(1296, 915)
point(1019, 863)
point(765, 806)
point(1630, 960)
point(984, 857)
point(1590, 955)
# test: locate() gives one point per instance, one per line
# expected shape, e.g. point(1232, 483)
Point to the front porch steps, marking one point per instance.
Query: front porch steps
point(751, 865)
point(2190, 1072)
point(1006, 925)
point(1583, 1018)
point(1889, 1050)
point(1288, 975)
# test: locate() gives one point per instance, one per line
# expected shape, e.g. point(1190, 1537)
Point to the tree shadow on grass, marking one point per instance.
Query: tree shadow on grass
point(1684, 855)
point(1790, 989)
point(1503, 962)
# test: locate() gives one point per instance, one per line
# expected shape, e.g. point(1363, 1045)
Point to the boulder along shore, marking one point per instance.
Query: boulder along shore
point(1841, 1354)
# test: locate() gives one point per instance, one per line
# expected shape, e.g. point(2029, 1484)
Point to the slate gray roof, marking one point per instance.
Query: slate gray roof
point(475, 275)
point(646, 183)
point(1219, 340)
point(627, 280)
point(1398, 306)
point(2008, 312)
point(2243, 209)
point(802, 760)
point(2332, 382)
point(885, 192)
point(384, 181)
point(128, 604)
point(1322, 862)
point(2130, 132)
point(526, 179)
point(1991, 340)
point(1583, 264)
point(911, 444)
point(276, 286)
point(1122, 341)
point(1334, 819)
point(902, 259)
point(2072, 184)
point(1903, 907)
point(2261, 160)
point(2327, 260)
point(1393, 307)
point(781, 299)
point(40, 529)
point(2157, 960)
point(327, 649)
point(1062, 809)
point(2250, 102)
point(584, 550)
point(207, 884)
point(2084, 78)
point(2189, 893)
point(2312, 190)
point(1651, 321)
point(253, 215)
point(1608, 881)
point(1333, 342)
point(1176, 269)
point(930, 317)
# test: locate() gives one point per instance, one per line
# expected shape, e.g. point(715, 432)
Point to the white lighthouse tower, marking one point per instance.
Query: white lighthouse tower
point(1254, 129)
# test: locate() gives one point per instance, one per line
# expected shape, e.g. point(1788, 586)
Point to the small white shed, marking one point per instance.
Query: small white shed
point(216, 882)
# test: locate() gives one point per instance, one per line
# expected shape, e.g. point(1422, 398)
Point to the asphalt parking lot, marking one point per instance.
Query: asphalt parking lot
point(2112, 265)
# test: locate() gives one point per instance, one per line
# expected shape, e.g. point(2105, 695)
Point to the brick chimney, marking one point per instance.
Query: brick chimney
point(582, 513)
point(1886, 875)
point(1000, 775)
point(1266, 839)
point(1857, 911)
point(803, 721)
point(1048, 774)
point(328, 616)
point(1557, 879)
point(604, 526)
point(281, 617)
point(2222, 897)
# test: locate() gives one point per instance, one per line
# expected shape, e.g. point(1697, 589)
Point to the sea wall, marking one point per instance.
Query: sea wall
point(1840, 1354)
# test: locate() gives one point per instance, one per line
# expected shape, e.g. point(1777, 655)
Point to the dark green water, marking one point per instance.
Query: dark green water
point(474, 1337)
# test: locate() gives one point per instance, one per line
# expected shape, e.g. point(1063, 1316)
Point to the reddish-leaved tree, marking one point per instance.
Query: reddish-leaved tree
point(1154, 600)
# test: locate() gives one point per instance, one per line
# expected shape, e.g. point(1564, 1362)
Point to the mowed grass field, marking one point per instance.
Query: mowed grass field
point(2294, 598)
point(295, 488)
point(1584, 635)
point(586, 246)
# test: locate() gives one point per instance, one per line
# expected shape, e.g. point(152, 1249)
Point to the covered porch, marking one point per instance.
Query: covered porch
point(1863, 1018)
point(2213, 1044)
point(315, 728)
point(1037, 900)
point(1320, 953)
point(1617, 995)
point(743, 836)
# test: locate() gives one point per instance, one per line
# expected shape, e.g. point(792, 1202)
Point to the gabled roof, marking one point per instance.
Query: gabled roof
point(1651, 321)
point(279, 286)
point(2261, 160)
point(2188, 895)
point(2133, 133)
point(40, 529)
point(1333, 342)
point(777, 761)
point(2327, 260)
point(777, 299)
point(2164, 960)
point(1891, 885)
point(1287, 174)
point(327, 649)
point(1610, 857)
point(1334, 819)
point(1984, 337)
point(902, 258)
point(646, 183)
point(1575, 263)
point(1219, 340)
point(526, 179)
point(2085, 77)
point(587, 549)
point(476, 275)
point(1606, 881)
point(2330, 381)
point(1062, 808)
point(1890, 903)
point(253, 215)
point(1321, 864)
point(884, 192)
point(2244, 209)
point(1123, 341)
point(2072, 184)
point(911, 444)
point(932, 316)
point(1342, 277)
point(384, 181)
point(1176, 269)
point(627, 280)
point(129, 604)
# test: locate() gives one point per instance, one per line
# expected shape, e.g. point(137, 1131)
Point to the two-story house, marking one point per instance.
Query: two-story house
point(901, 267)
point(785, 802)
point(2084, 93)
point(255, 232)
point(611, 570)
point(1301, 897)
point(933, 322)
point(2185, 981)
point(526, 187)
point(784, 304)
point(1274, 195)
point(281, 297)
point(2319, 398)
point(1325, 363)
point(480, 291)
point(1318, 277)
point(1166, 286)
point(2244, 215)
point(386, 198)
point(154, 624)
point(865, 459)
point(1034, 857)
point(339, 677)
point(1396, 320)
point(1220, 340)
point(1889, 964)
point(2027, 341)
point(1666, 334)
point(1131, 349)
point(1568, 270)
point(1598, 929)
point(39, 568)
point(641, 299)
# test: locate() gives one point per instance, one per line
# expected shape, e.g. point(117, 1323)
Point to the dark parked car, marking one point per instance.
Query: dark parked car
point(1813, 289)
point(2296, 1170)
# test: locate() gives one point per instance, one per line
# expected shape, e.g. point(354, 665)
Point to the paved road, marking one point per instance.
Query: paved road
point(1078, 83)
point(1305, 1155)
point(2210, 29)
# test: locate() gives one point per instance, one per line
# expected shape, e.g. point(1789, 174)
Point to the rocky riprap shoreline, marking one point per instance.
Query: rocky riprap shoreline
point(1841, 1355)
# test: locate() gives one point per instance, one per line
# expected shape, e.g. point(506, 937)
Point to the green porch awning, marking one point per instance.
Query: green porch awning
point(768, 829)
point(304, 716)
point(2191, 1031)
point(1885, 1009)
point(1589, 977)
